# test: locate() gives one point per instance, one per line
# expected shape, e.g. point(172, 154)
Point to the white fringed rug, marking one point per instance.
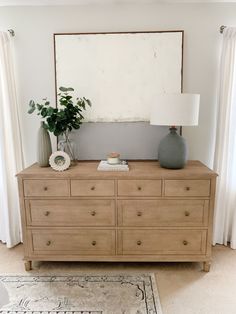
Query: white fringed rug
point(93, 294)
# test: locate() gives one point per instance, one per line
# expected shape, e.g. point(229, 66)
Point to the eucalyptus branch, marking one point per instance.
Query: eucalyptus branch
point(65, 118)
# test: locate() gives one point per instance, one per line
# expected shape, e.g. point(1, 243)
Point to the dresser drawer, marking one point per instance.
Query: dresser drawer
point(89, 242)
point(70, 212)
point(139, 187)
point(163, 242)
point(147, 213)
point(46, 187)
point(92, 188)
point(187, 188)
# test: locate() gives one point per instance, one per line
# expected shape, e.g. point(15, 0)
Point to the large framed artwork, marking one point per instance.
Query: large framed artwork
point(121, 73)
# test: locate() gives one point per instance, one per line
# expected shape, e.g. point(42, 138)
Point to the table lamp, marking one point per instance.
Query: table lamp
point(174, 110)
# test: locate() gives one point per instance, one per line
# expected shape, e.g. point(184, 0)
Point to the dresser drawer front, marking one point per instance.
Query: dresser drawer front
point(71, 212)
point(187, 188)
point(46, 187)
point(92, 188)
point(89, 242)
point(139, 187)
point(147, 213)
point(163, 242)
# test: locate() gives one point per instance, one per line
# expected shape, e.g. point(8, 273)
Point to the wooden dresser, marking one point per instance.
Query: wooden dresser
point(146, 214)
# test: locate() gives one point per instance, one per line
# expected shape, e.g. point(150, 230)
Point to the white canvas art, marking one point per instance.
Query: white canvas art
point(121, 73)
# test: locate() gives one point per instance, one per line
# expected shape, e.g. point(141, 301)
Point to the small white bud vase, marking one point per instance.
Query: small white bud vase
point(44, 147)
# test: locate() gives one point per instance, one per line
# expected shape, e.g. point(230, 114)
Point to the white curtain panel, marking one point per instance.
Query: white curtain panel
point(225, 156)
point(11, 158)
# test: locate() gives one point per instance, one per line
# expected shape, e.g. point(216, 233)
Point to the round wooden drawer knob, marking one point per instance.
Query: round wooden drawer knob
point(48, 243)
point(139, 188)
point(185, 242)
point(139, 242)
point(187, 188)
point(139, 214)
point(92, 188)
point(187, 213)
point(45, 188)
point(47, 213)
point(94, 243)
point(93, 213)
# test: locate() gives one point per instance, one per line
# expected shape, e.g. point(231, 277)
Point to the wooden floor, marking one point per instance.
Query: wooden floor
point(183, 287)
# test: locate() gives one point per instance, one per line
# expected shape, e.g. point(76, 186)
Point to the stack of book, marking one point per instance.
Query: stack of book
point(105, 166)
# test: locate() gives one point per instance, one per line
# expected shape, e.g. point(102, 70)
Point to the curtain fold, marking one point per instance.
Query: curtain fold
point(11, 156)
point(225, 153)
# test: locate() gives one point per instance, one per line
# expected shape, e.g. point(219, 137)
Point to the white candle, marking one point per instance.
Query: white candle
point(113, 158)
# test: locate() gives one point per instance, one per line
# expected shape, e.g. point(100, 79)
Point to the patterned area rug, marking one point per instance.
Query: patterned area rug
point(112, 294)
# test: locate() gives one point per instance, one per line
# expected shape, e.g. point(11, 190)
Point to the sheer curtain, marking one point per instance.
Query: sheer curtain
point(11, 158)
point(225, 156)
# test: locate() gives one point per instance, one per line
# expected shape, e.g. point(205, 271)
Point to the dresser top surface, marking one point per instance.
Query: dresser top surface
point(137, 169)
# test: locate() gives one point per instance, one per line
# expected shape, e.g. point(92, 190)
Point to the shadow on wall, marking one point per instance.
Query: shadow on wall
point(133, 140)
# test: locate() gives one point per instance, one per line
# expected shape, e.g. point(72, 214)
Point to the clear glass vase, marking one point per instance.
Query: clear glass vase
point(67, 145)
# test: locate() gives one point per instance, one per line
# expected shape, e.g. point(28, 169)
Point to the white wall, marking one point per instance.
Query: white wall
point(34, 27)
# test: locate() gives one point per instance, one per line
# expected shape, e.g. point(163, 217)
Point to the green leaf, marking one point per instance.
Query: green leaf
point(88, 102)
point(31, 103)
point(50, 111)
point(44, 112)
point(66, 89)
point(62, 89)
point(32, 106)
point(31, 110)
point(39, 107)
point(68, 97)
point(76, 125)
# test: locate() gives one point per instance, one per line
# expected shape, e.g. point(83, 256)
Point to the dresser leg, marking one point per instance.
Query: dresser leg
point(206, 266)
point(28, 265)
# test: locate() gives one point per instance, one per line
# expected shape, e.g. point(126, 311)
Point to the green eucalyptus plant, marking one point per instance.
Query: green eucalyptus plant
point(64, 119)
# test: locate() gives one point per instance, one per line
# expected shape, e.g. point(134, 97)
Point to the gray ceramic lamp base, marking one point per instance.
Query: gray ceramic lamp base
point(172, 151)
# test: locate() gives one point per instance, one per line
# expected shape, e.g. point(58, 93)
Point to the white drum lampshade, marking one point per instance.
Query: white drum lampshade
point(174, 110)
